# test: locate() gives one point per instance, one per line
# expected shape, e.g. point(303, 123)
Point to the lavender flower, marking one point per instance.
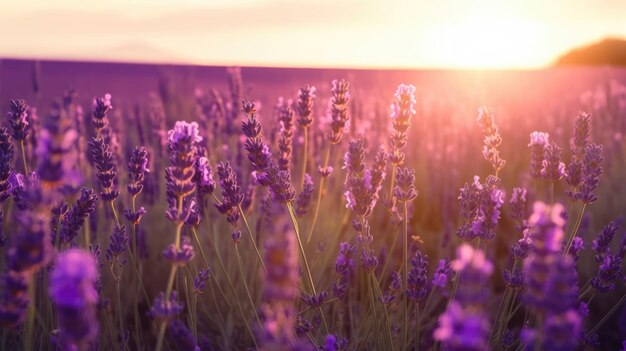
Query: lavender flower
point(473, 271)
point(609, 271)
point(117, 245)
point(285, 142)
point(101, 106)
point(561, 331)
point(72, 289)
point(137, 169)
point(362, 193)
point(19, 120)
point(205, 184)
point(591, 174)
point(538, 141)
point(601, 245)
point(551, 283)
point(304, 105)
point(105, 166)
point(339, 109)
point(55, 151)
point(418, 286)
point(464, 325)
point(552, 167)
point(517, 202)
point(179, 256)
point(199, 282)
point(231, 193)
point(179, 175)
point(166, 310)
point(6, 157)
point(492, 139)
point(84, 207)
point(404, 190)
point(582, 134)
point(402, 111)
point(442, 273)
point(303, 201)
point(344, 266)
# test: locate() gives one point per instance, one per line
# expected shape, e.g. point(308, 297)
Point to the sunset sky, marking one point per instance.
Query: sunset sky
point(320, 33)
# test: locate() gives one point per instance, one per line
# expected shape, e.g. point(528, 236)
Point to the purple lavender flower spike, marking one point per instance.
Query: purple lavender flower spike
point(105, 168)
point(180, 256)
point(552, 168)
point(137, 169)
point(402, 111)
point(601, 245)
point(55, 152)
point(460, 329)
point(465, 325)
point(231, 192)
point(199, 282)
point(418, 283)
point(166, 310)
point(492, 138)
point(339, 109)
point(101, 106)
point(84, 207)
point(117, 245)
point(285, 141)
point(205, 184)
point(304, 105)
point(582, 134)
point(72, 289)
point(538, 141)
point(404, 190)
point(442, 273)
point(182, 141)
point(303, 201)
point(591, 174)
point(6, 157)
point(19, 120)
point(517, 202)
point(609, 271)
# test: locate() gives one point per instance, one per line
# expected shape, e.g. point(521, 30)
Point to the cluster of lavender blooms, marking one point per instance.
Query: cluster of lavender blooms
point(480, 208)
point(417, 303)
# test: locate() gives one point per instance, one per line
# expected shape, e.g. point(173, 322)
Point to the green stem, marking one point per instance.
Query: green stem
point(24, 157)
point(306, 263)
point(245, 284)
point(119, 309)
point(232, 287)
point(607, 316)
point(417, 329)
point(320, 191)
point(170, 285)
point(256, 248)
point(575, 230)
point(304, 157)
point(405, 259)
point(117, 219)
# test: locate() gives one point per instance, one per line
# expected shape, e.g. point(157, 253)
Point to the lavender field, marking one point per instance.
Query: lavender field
point(171, 207)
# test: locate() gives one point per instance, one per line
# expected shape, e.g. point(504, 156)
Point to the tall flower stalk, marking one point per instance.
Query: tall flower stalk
point(404, 192)
point(182, 141)
point(20, 126)
point(339, 113)
point(402, 111)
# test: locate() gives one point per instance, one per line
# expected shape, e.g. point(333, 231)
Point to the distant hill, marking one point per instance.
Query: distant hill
point(608, 52)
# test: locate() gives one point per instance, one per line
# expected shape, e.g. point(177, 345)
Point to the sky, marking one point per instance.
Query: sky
point(524, 34)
